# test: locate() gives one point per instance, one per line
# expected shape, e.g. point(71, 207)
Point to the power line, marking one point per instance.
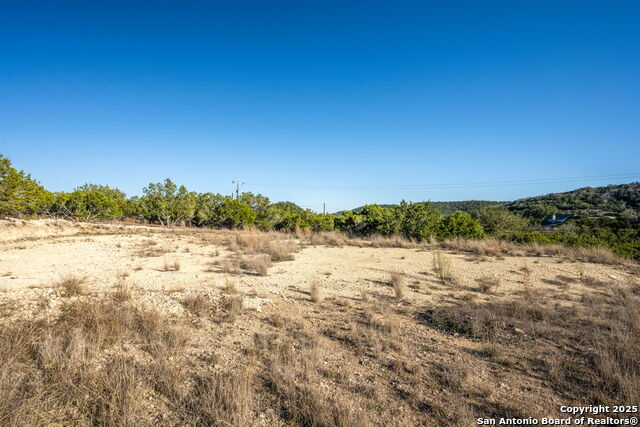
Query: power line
point(453, 185)
point(238, 183)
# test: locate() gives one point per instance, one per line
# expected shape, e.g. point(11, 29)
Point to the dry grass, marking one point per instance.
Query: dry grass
point(56, 371)
point(259, 264)
point(277, 246)
point(399, 287)
point(229, 266)
point(123, 290)
point(488, 284)
point(173, 265)
point(198, 304)
point(442, 268)
point(150, 248)
point(496, 247)
point(71, 285)
point(233, 306)
point(602, 374)
point(315, 292)
point(230, 287)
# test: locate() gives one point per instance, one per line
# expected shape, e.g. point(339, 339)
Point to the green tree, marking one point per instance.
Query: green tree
point(418, 220)
point(322, 222)
point(266, 215)
point(349, 222)
point(378, 220)
point(207, 207)
point(232, 213)
point(498, 219)
point(91, 201)
point(461, 224)
point(19, 193)
point(167, 203)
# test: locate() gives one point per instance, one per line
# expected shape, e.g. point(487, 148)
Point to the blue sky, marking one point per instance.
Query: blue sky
point(320, 101)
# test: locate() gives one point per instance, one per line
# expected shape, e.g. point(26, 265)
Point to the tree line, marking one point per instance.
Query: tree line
point(168, 204)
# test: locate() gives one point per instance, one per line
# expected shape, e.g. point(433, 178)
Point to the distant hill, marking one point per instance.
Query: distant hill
point(615, 200)
point(447, 208)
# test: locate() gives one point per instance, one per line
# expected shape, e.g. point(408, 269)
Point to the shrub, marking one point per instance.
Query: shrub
point(315, 292)
point(461, 224)
point(399, 287)
point(71, 285)
point(442, 267)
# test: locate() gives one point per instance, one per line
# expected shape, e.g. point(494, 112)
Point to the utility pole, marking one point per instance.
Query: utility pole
point(238, 184)
point(324, 208)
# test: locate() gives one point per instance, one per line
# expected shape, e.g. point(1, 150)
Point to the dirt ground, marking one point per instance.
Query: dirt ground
point(408, 372)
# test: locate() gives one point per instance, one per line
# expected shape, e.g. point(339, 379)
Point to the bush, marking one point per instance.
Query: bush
point(461, 224)
point(90, 202)
point(19, 193)
point(498, 219)
point(418, 221)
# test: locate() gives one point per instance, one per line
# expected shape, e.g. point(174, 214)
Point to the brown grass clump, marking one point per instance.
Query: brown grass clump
point(233, 306)
point(123, 290)
point(330, 238)
point(173, 265)
point(315, 292)
point(277, 246)
point(259, 264)
point(220, 399)
point(442, 267)
point(197, 304)
point(150, 248)
point(292, 377)
point(399, 287)
point(229, 266)
point(71, 285)
point(488, 284)
point(70, 369)
point(230, 287)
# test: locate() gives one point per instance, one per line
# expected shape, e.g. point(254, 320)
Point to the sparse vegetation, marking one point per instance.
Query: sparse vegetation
point(71, 285)
point(488, 284)
point(399, 286)
point(258, 263)
point(442, 268)
point(193, 350)
point(315, 292)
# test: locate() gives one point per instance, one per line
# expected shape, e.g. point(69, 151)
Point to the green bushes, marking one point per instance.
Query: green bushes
point(461, 224)
point(418, 221)
point(91, 202)
point(19, 194)
point(498, 219)
point(168, 204)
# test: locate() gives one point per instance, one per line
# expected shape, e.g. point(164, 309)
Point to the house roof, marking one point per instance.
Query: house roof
point(555, 219)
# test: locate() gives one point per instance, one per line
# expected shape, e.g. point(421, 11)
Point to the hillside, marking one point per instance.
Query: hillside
point(619, 200)
point(447, 208)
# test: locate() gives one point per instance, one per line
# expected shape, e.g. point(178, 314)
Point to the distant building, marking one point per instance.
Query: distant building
point(554, 220)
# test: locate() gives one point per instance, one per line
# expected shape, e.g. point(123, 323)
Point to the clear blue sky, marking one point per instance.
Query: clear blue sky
point(309, 96)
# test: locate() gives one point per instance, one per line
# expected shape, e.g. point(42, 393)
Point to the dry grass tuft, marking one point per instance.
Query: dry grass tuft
point(315, 292)
point(230, 287)
point(442, 267)
point(198, 304)
point(259, 264)
point(71, 285)
point(173, 265)
point(220, 399)
point(399, 287)
point(123, 290)
point(233, 306)
point(488, 284)
point(229, 266)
